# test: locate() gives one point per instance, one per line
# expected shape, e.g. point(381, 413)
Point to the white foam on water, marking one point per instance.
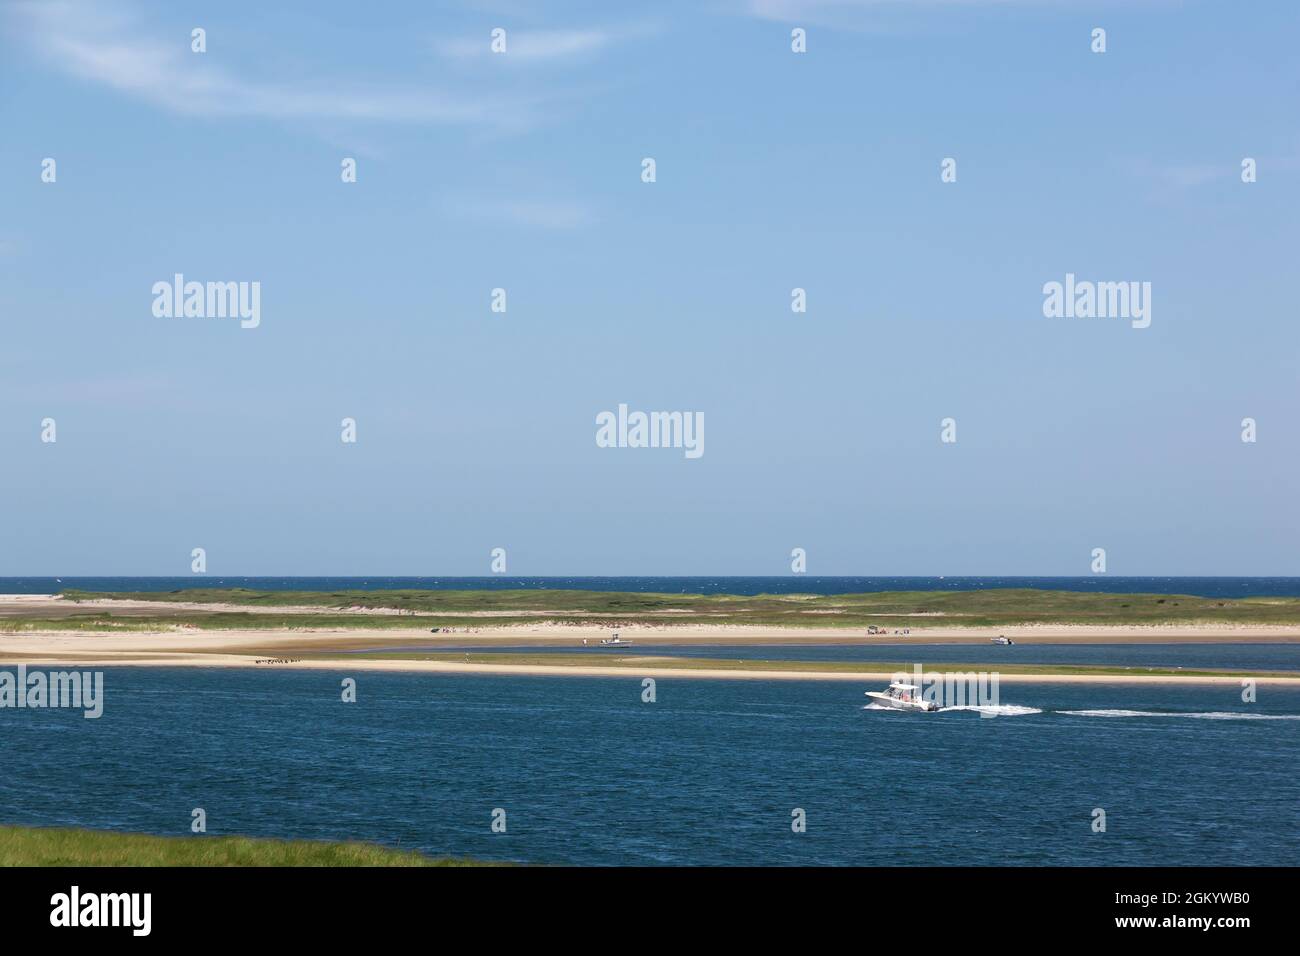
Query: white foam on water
point(995, 710)
point(1199, 715)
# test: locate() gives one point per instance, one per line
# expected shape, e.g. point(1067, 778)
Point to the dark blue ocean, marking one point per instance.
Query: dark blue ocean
point(1211, 587)
point(708, 774)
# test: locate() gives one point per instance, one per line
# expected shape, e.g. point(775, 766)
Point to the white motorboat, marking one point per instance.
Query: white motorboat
point(902, 697)
point(1003, 640)
point(614, 641)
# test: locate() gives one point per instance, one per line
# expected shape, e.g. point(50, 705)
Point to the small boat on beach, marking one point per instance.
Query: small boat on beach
point(1003, 640)
point(614, 641)
point(902, 697)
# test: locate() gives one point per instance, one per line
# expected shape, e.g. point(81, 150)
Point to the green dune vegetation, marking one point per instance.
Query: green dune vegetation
point(241, 608)
point(34, 846)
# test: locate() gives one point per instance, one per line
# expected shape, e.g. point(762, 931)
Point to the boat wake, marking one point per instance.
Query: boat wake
point(1199, 715)
point(1016, 710)
point(995, 710)
point(1000, 710)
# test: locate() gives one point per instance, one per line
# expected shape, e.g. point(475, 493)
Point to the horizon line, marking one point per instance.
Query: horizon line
point(512, 577)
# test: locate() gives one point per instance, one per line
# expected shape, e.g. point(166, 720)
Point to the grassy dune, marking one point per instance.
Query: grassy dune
point(29, 846)
point(110, 620)
point(895, 609)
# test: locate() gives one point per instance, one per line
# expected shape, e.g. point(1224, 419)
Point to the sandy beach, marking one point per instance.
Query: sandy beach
point(287, 648)
point(659, 672)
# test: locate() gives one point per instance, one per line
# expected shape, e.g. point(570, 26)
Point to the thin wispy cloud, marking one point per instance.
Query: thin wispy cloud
point(1173, 177)
point(542, 46)
point(786, 9)
point(534, 45)
point(829, 12)
point(100, 391)
point(1189, 176)
point(108, 49)
point(528, 213)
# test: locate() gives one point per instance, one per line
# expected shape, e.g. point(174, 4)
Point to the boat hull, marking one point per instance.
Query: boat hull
point(885, 700)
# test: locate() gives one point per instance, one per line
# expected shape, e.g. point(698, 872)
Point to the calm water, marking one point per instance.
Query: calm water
point(1253, 657)
point(709, 774)
point(788, 584)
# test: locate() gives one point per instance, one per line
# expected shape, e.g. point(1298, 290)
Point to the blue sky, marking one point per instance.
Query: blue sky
point(775, 170)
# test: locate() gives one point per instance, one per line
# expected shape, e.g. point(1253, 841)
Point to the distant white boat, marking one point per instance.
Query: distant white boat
point(614, 641)
point(902, 697)
point(1002, 639)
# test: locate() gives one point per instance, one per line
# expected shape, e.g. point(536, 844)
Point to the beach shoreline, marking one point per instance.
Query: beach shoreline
point(554, 633)
point(647, 667)
point(368, 646)
point(444, 668)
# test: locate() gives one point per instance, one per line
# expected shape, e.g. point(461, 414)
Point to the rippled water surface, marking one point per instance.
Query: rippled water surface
point(709, 773)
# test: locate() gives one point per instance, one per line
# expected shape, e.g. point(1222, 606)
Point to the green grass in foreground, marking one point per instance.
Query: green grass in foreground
point(893, 609)
point(36, 846)
point(665, 661)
